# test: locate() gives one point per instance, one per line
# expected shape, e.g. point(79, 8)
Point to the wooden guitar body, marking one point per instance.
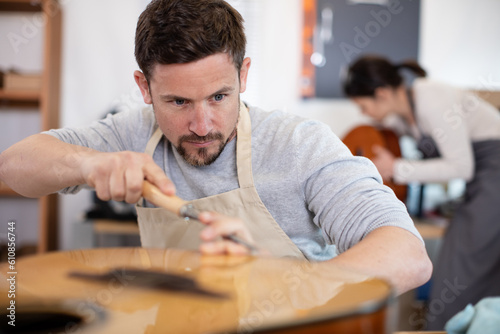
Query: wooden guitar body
point(139, 290)
point(360, 142)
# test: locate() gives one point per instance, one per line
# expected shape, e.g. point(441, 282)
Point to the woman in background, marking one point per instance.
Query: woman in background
point(459, 137)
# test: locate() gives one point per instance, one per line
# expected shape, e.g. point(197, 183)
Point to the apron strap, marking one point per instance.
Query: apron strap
point(150, 149)
point(244, 148)
point(153, 142)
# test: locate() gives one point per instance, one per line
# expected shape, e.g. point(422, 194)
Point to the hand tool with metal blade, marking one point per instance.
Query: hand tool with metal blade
point(182, 208)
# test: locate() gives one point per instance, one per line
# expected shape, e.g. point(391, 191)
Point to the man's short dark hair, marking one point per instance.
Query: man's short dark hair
point(183, 31)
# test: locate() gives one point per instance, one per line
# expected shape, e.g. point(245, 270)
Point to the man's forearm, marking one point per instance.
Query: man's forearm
point(40, 165)
point(391, 253)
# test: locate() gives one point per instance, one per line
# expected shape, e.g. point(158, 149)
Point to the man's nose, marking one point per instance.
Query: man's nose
point(201, 123)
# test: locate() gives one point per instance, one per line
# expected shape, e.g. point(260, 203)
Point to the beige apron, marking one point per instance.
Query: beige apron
point(161, 228)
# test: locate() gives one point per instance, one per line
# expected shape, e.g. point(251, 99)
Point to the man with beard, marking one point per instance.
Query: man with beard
point(284, 183)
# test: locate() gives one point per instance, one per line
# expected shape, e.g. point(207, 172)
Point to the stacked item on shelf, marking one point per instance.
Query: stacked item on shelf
point(17, 81)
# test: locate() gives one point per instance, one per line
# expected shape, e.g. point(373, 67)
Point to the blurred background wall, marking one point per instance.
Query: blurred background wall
point(458, 44)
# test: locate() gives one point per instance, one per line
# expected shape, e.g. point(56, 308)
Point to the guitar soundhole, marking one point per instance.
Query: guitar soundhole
point(42, 322)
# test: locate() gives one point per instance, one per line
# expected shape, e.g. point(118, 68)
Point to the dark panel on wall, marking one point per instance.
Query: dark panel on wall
point(347, 29)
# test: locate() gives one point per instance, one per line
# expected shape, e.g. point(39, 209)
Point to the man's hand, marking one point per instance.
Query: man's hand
point(220, 226)
point(119, 176)
point(41, 164)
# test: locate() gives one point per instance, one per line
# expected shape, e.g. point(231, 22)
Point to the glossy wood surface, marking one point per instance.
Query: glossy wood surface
point(265, 295)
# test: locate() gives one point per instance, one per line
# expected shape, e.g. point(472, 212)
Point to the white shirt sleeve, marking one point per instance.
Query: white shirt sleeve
point(440, 114)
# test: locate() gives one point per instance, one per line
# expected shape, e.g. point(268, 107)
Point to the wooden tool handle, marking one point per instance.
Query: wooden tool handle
point(155, 196)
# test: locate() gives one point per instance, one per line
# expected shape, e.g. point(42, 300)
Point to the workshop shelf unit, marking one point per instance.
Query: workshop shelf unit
point(46, 102)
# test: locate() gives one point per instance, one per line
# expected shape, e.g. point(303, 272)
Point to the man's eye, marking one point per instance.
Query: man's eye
point(219, 97)
point(179, 102)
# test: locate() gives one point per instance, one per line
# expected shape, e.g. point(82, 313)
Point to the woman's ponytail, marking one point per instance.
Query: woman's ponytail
point(413, 66)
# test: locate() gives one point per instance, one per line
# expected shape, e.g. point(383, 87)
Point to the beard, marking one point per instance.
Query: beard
point(202, 157)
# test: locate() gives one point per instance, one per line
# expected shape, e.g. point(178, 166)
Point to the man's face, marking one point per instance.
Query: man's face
point(197, 104)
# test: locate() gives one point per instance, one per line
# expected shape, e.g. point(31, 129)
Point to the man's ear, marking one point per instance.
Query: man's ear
point(141, 81)
point(244, 74)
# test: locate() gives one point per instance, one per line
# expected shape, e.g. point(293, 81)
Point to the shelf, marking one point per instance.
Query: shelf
point(19, 99)
point(6, 191)
point(20, 5)
point(109, 226)
point(431, 228)
point(20, 95)
point(46, 102)
point(491, 96)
